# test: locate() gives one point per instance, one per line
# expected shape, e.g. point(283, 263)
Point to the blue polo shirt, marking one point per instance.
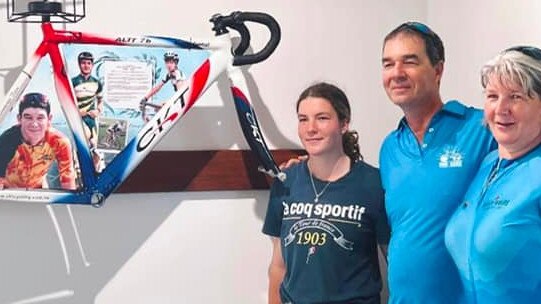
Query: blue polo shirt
point(329, 247)
point(494, 237)
point(424, 183)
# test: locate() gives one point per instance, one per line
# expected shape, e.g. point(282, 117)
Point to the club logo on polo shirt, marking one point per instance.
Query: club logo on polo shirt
point(451, 158)
point(495, 203)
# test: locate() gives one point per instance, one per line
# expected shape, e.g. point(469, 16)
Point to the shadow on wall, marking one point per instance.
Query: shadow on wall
point(218, 126)
point(34, 266)
point(32, 260)
point(266, 120)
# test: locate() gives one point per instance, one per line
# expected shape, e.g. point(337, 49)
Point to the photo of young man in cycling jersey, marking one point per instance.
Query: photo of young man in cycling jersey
point(29, 149)
point(173, 75)
point(88, 91)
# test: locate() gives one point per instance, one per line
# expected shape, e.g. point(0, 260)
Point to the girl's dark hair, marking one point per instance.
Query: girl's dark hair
point(339, 101)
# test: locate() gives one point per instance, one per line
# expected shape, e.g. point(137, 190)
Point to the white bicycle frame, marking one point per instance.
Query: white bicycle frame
point(97, 186)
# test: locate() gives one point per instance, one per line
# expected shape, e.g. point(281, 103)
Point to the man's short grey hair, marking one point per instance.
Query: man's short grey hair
point(514, 67)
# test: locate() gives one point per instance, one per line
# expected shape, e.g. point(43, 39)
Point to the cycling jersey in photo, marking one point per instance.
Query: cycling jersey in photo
point(175, 77)
point(87, 91)
point(26, 166)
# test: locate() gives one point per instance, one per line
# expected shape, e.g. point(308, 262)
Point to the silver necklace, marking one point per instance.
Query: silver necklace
point(316, 199)
point(492, 176)
point(494, 172)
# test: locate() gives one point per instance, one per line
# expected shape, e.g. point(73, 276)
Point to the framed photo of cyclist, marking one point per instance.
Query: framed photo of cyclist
point(118, 89)
point(112, 134)
point(146, 84)
point(36, 151)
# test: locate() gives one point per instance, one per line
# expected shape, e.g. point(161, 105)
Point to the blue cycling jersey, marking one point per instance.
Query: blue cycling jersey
point(494, 237)
point(424, 183)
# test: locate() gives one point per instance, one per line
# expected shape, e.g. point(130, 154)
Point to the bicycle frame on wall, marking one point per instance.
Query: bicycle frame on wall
point(125, 101)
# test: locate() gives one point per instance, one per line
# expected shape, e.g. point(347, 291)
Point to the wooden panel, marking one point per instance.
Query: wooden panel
point(167, 171)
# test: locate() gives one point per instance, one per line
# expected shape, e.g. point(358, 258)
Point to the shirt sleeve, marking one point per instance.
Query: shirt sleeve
point(273, 219)
point(9, 141)
point(383, 231)
point(64, 158)
point(99, 93)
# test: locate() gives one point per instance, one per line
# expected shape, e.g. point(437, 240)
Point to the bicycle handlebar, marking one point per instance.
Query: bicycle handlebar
point(236, 21)
point(245, 37)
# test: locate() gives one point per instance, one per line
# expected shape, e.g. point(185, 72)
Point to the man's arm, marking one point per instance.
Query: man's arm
point(99, 108)
point(153, 91)
point(64, 158)
point(277, 270)
point(100, 104)
point(293, 161)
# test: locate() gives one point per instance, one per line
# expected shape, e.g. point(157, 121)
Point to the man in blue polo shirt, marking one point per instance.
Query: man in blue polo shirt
point(426, 166)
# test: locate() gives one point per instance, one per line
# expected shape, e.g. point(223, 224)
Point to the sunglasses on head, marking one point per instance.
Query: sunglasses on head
point(419, 27)
point(529, 51)
point(431, 39)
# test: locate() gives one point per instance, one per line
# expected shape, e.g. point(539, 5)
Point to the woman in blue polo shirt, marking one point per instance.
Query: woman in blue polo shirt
point(328, 216)
point(495, 235)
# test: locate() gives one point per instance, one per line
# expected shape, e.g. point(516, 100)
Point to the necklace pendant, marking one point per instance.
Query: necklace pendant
point(318, 194)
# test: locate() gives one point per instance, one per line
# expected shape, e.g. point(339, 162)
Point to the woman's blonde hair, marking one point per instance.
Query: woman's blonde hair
point(519, 65)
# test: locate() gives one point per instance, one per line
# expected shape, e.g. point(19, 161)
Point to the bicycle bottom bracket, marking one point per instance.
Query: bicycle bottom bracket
point(97, 199)
point(45, 8)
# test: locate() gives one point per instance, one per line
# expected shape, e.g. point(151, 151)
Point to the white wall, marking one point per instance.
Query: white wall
point(207, 247)
point(475, 31)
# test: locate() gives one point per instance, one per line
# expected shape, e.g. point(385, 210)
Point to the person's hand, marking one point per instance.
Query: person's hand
point(142, 104)
point(93, 113)
point(293, 161)
point(2, 183)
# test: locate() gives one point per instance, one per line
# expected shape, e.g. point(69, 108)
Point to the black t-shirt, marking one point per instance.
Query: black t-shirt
point(330, 247)
point(9, 141)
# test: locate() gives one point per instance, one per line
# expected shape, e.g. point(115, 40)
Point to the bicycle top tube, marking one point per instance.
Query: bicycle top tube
point(234, 21)
point(50, 34)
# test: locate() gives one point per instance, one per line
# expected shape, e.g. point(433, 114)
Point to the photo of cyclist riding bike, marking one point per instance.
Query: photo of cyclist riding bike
point(112, 134)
